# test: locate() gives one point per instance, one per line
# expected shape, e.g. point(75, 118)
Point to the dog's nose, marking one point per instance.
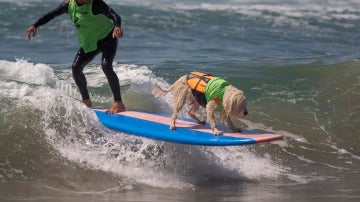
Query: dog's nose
point(246, 113)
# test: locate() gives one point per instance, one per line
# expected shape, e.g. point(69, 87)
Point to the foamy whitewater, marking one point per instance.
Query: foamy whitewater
point(296, 62)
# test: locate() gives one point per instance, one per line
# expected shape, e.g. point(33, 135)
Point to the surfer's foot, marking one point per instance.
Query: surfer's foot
point(87, 103)
point(117, 107)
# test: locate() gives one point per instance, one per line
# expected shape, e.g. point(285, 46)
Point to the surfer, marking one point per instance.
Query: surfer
point(98, 29)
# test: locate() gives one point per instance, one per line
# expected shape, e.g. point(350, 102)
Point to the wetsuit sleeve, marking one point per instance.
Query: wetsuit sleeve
point(61, 9)
point(100, 7)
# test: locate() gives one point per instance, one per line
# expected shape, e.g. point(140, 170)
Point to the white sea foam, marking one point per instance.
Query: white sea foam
point(323, 16)
point(74, 131)
point(299, 8)
point(23, 71)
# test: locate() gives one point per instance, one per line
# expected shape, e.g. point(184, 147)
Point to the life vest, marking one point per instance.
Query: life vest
point(90, 28)
point(197, 81)
point(206, 87)
point(215, 90)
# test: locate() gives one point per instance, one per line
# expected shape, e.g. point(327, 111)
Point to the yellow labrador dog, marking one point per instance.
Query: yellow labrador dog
point(210, 92)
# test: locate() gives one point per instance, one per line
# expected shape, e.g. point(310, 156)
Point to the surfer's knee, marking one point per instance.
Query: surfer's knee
point(106, 65)
point(76, 69)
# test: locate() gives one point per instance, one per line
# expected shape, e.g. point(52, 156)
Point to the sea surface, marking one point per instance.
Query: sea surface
point(296, 61)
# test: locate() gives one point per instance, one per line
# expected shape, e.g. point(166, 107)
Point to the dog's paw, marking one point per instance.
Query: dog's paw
point(237, 130)
point(217, 132)
point(172, 127)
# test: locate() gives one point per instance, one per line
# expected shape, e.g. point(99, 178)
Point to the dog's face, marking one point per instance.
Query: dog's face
point(235, 103)
point(241, 110)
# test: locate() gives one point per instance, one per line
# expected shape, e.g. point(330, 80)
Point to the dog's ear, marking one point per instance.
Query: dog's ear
point(234, 100)
point(239, 103)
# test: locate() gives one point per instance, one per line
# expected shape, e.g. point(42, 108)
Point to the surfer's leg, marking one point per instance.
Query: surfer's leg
point(80, 61)
point(108, 47)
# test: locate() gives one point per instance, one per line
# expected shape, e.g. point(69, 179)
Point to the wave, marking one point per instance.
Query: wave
point(297, 12)
point(46, 126)
point(172, 32)
point(313, 15)
point(47, 135)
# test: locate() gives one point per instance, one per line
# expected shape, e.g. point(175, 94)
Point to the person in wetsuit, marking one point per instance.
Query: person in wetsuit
point(98, 29)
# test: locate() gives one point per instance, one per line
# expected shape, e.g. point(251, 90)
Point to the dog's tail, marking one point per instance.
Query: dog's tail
point(159, 92)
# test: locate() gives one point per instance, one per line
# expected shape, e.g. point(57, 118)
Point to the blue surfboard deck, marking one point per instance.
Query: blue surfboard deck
point(156, 126)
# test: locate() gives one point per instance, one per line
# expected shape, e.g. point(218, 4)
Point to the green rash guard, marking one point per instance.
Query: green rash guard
point(215, 89)
point(90, 28)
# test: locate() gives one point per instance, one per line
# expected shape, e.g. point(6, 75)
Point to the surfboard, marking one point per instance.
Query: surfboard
point(156, 126)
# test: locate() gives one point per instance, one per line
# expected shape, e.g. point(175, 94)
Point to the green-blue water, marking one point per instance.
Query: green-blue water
point(296, 62)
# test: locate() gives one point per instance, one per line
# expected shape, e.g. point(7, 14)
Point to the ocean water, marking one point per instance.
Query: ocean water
point(296, 61)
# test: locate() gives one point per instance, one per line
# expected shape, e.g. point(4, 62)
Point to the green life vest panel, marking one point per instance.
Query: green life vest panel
point(90, 28)
point(206, 87)
point(215, 89)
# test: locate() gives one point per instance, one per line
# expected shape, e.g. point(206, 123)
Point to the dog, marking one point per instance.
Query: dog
point(210, 92)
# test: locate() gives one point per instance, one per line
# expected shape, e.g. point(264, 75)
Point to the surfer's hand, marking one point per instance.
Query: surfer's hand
point(117, 33)
point(30, 31)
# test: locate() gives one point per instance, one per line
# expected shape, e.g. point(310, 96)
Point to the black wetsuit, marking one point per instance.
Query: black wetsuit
point(107, 46)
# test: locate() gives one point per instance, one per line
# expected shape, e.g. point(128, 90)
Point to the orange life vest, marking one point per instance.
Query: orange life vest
point(197, 82)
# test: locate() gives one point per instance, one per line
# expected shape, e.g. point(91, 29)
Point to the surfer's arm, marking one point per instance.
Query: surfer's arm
point(61, 9)
point(100, 7)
